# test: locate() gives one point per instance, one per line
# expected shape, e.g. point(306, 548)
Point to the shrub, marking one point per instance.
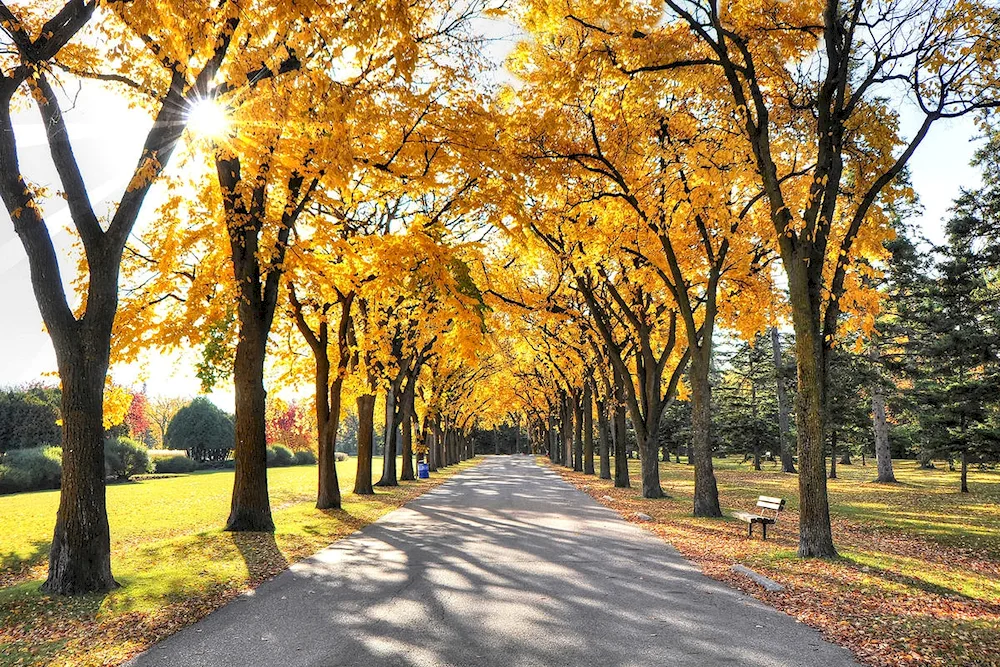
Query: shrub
point(203, 430)
point(29, 418)
point(31, 469)
point(178, 463)
point(305, 458)
point(155, 454)
point(124, 457)
point(340, 456)
point(283, 456)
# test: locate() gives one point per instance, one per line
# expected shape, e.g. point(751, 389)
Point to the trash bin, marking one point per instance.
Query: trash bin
point(423, 471)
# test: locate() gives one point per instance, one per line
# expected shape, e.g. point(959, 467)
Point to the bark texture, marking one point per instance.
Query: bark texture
point(80, 555)
point(621, 457)
point(784, 430)
point(578, 433)
point(366, 431)
point(251, 507)
point(389, 451)
point(883, 454)
point(604, 438)
point(706, 492)
point(588, 431)
point(815, 533)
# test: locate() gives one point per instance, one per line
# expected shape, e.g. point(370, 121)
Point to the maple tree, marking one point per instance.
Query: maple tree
point(137, 418)
point(805, 84)
point(37, 56)
point(309, 106)
point(467, 255)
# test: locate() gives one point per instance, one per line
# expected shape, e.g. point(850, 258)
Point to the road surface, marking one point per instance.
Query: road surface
point(503, 565)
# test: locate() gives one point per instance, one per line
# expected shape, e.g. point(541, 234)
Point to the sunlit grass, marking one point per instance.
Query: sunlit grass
point(170, 554)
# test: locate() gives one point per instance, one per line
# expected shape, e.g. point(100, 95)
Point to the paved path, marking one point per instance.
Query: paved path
point(505, 565)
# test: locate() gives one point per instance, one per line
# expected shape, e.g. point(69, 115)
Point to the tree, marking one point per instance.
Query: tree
point(80, 556)
point(161, 410)
point(29, 417)
point(782, 374)
point(137, 419)
point(959, 357)
point(746, 408)
point(203, 430)
point(807, 84)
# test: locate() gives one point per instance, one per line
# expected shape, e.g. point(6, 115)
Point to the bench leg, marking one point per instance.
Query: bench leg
point(764, 526)
point(750, 530)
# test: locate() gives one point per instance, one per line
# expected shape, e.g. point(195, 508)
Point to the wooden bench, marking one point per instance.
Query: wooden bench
point(768, 508)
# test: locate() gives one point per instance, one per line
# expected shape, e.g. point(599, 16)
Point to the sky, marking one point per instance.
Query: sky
point(107, 136)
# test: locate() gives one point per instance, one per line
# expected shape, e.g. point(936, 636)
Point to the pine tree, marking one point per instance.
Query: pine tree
point(956, 379)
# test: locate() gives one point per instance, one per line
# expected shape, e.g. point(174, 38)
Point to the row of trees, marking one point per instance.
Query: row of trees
point(374, 218)
point(691, 165)
point(333, 206)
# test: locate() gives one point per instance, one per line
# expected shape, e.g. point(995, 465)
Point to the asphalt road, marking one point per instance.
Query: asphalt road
point(505, 565)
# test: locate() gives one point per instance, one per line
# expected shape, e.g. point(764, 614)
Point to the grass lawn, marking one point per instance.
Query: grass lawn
point(168, 552)
point(918, 577)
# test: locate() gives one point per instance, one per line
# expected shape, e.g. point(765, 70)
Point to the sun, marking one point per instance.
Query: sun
point(208, 118)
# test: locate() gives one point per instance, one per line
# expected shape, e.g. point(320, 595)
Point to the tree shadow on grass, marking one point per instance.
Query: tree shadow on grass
point(15, 566)
point(261, 554)
point(906, 580)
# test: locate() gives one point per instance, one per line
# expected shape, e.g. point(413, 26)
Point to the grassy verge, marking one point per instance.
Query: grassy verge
point(168, 552)
point(918, 577)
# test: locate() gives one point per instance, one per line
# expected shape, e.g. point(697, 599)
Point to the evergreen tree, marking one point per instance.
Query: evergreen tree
point(956, 371)
point(746, 402)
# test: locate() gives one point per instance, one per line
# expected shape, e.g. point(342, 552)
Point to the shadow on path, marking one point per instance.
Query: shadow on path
point(505, 564)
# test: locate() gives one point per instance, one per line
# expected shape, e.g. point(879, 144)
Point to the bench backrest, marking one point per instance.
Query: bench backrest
point(773, 504)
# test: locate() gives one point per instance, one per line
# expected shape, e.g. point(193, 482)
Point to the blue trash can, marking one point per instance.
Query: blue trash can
point(423, 471)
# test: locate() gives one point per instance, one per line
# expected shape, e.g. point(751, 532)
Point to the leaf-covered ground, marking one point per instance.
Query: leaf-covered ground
point(168, 552)
point(918, 577)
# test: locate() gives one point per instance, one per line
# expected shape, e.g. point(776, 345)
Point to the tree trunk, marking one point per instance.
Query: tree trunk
point(784, 435)
point(883, 454)
point(965, 471)
point(567, 432)
point(554, 441)
point(706, 492)
point(588, 431)
point(621, 459)
point(603, 434)
point(366, 431)
point(649, 464)
point(845, 459)
point(430, 440)
point(756, 456)
point(815, 533)
point(407, 424)
point(251, 507)
point(445, 445)
point(389, 451)
point(328, 495)
point(833, 454)
point(578, 434)
point(80, 555)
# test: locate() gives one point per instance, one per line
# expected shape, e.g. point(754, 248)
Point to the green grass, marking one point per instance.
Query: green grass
point(170, 555)
point(924, 503)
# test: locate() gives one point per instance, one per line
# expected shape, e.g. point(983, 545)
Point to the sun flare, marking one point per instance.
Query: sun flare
point(208, 118)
